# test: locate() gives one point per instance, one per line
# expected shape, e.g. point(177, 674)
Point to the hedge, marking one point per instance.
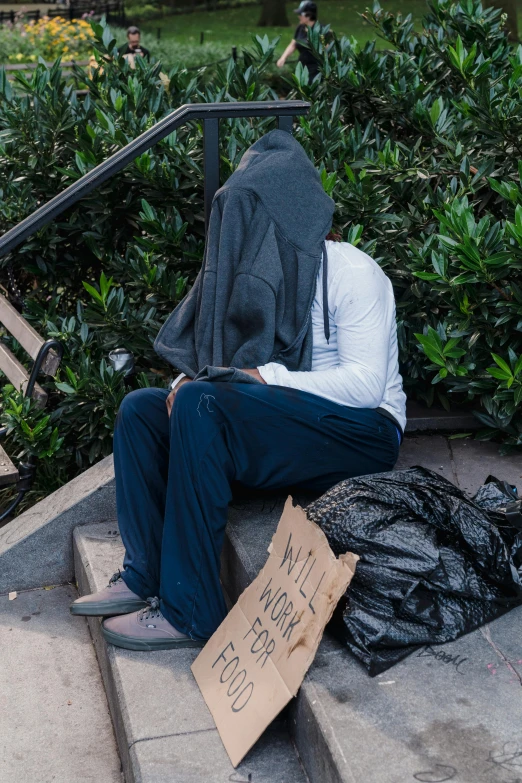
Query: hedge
point(418, 144)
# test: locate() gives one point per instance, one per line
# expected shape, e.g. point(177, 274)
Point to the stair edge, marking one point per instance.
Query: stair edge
point(309, 734)
point(105, 655)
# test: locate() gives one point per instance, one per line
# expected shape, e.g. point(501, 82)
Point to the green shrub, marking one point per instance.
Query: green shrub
point(145, 12)
point(171, 52)
point(108, 272)
point(421, 147)
point(418, 145)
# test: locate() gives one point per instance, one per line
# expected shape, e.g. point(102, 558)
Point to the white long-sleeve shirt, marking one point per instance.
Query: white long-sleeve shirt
point(359, 366)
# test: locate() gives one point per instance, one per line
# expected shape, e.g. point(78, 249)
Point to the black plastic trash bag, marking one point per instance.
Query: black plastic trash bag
point(434, 564)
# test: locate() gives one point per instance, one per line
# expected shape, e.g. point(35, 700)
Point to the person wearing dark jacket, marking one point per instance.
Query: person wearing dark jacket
point(133, 47)
point(307, 13)
point(287, 347)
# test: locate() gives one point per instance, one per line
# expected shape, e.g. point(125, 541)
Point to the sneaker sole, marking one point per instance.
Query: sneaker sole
point(107, 610)
point(133, 643)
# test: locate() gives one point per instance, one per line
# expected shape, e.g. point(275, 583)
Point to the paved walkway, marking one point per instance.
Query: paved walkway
point(464, 461)
point(55, 727)
point(446, 712)
point(54, 721)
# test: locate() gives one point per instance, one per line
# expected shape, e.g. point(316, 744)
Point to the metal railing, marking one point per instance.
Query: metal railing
point(210, 113)
point(12, 69)
point(113, 10)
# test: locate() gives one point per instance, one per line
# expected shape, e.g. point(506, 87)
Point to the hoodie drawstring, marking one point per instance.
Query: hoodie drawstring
point(326, 319)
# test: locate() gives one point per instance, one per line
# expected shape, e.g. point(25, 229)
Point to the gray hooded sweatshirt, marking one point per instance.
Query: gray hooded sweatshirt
point(251, 301)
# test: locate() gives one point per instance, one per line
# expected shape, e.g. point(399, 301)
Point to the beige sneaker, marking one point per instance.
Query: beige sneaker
point(146, 630)
point(116, 598)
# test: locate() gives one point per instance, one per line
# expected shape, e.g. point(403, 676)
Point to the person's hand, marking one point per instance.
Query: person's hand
point(255, 374)
point(280, 62)
point(172, 395)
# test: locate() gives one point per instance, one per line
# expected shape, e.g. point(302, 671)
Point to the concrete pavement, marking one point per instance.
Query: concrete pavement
point(55, 725)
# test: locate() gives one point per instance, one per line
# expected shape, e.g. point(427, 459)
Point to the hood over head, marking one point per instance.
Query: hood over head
point(279, 172)
point(251, 301)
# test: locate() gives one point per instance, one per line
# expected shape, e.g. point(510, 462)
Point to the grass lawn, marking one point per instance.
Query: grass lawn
point(235, 26)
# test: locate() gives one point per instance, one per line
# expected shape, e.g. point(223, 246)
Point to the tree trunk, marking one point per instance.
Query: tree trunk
point(508, 7)
point(273, 14)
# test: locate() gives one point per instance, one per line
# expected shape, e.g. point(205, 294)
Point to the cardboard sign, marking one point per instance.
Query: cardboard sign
point(257, 659)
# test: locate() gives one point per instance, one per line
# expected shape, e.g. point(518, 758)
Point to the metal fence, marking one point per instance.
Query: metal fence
point(67, 67)
point(113, 10)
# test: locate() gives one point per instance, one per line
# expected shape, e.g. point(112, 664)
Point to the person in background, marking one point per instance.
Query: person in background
point(133, 47)
point(307, 13)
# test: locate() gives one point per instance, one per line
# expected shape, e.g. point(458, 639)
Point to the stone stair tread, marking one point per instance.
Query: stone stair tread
point(444, 713)
point(165, 732)
point(198, 756)
point(54, 722)
point(420, 418)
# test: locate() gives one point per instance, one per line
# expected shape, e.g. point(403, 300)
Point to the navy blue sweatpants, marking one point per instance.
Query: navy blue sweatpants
point(173, 477)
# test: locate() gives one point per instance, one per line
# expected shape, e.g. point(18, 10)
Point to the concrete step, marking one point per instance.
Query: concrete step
point(164, 730)
point(160, 743)
point(54, 721)
point(444, 713)
point(420, 418)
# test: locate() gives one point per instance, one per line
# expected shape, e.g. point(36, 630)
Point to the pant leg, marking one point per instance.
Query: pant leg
point(141, 456)
point(262, 436)
point(313, 70)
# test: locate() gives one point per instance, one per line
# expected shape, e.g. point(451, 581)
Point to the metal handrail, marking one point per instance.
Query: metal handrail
point(210, 113)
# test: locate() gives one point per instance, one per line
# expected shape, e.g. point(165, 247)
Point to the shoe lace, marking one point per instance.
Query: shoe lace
point(151, 611)
point(115, 578)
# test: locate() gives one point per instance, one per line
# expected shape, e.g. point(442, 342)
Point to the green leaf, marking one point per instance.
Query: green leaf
point(105, 286)
point(93, 292)
point(498, 259)
point(148, 211)
point(500, 374)
point(431, 349)
point(427, 275)
point(448, 241)
point(349, 173)
point(501, 363)
point(451, 344)
point(64, 387)
point(436, 110)
point(354, 235)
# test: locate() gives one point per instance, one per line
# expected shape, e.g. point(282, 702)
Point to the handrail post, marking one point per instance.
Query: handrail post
point(210, 163)
point(285, 123)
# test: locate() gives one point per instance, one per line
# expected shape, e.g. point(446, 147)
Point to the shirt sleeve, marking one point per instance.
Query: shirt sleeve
point(364, 315)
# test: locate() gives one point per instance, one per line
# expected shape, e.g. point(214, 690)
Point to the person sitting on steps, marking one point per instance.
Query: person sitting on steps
point(287, 347)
